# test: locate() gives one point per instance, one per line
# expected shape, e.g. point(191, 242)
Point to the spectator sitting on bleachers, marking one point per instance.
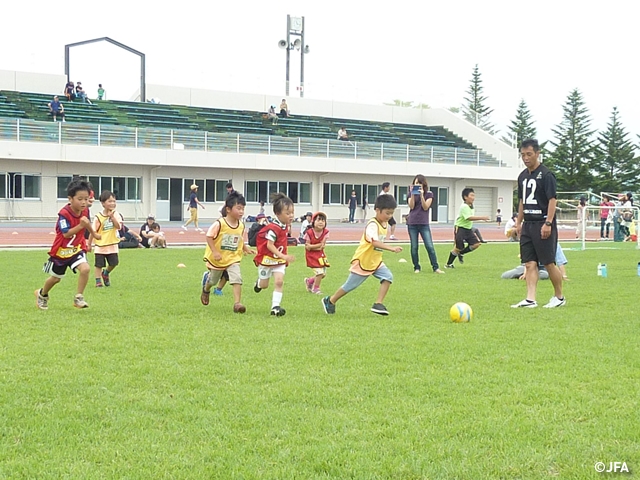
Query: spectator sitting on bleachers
point(80, 93)
point(102, 94)
point(69, 91)
point(284, 109)
point(343, 135)
point(272, 115)
point(56, 109)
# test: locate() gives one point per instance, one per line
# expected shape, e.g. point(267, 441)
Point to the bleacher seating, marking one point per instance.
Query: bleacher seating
point(177, 117)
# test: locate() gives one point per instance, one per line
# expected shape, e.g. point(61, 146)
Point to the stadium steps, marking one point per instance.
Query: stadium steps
point(179, 117)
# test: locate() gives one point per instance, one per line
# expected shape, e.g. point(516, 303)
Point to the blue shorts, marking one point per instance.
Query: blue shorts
point(354, 280)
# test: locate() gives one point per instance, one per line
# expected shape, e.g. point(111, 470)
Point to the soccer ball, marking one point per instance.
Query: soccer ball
point(461, 312)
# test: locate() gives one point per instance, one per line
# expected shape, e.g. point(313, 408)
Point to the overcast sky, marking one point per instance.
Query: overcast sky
point(360, 51)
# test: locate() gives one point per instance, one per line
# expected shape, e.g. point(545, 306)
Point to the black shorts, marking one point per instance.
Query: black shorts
point(57, 267)
point(392, 222)
point(101, 260)
point(533, 248)
point(463, 235)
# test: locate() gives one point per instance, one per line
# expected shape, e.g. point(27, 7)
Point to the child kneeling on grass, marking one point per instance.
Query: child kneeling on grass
point(367, 260)
point(69, 246)
point(107, 223)
point(315, 240)
point(225, 246)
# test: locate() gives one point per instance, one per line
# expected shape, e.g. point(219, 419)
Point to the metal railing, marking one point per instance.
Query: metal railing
point(69, 133)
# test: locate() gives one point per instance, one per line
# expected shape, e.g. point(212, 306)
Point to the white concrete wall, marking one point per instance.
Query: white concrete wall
point(32, 82)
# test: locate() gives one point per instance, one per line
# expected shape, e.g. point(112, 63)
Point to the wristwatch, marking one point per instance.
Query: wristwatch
point(548, 224)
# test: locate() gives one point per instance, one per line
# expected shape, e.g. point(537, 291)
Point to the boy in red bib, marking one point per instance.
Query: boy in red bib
point(272, 257)
point(69, 246)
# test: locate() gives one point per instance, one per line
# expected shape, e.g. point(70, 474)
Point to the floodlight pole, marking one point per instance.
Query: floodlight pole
point(143, 75)
point(288, 53)
point(294, 28)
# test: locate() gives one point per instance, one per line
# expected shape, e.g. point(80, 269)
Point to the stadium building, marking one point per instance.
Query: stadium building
point(149, 154)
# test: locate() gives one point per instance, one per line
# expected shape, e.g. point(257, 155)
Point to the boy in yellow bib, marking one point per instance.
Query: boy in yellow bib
point(108, 224)
point(367, 260)
point(225, 246)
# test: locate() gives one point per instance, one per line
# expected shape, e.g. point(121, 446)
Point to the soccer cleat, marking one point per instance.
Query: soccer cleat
point(309, 284)
point(217, 292)
point(105, 278)
point(256, 287)
point(380, 309)
point(417, 270)
point(449, 265)
point(556, 302)
point(316, 291)
point(99, 285)
point(42, 302)
point(525, 304)
point(78, 301)
point(461, 258)
point(239, 308)
point(329, 308)
point(278, 311)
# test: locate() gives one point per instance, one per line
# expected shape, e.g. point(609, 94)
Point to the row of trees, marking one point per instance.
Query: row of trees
point(581, 158)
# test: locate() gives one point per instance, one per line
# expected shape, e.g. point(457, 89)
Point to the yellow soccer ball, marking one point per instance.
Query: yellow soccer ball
point(461, 312)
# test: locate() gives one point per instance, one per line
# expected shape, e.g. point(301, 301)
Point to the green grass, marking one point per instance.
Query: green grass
point(148, 383)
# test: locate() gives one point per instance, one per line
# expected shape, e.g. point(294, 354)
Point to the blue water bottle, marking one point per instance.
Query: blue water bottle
point(639, 269)
point(604, 270)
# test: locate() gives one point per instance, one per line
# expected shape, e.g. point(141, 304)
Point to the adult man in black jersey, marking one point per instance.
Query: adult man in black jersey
point(536, 225)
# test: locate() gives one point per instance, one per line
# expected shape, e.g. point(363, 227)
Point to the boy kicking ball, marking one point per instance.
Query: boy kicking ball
point(69, 246)
point(367, 260)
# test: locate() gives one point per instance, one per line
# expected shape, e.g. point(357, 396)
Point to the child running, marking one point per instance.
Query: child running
point(107, 223)
point(225, 245)
point(69, 246)
point(272, 258)
point(367, 260)
point(463, 229)
point(315, 240)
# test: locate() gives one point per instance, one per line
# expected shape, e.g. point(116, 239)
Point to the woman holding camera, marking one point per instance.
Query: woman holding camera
point(419, 200)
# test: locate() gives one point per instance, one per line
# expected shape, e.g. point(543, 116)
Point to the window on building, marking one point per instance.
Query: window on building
point(304, 193)
point(63, 183)
point(3, 185)
point(162, 189)
point(372, 193)
point(332, 194)
point(209, 193)
point(24, 186)
point(221, 190)
point(251, 191)
point(124, 188)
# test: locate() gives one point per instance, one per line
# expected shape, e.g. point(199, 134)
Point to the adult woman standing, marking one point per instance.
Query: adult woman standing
point(420, 199)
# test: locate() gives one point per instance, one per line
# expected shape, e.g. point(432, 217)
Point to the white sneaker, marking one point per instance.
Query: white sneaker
point(184, 228)
point(392, 237)
point(525, 304)
point(556, 302)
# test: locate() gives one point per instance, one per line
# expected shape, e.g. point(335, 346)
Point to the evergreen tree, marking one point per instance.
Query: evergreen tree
point(615, 164)
point(475, 110)
point(522, 127)
point(573, 146)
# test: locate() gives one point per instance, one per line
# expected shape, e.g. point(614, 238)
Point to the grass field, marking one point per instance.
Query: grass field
point(147, 383)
